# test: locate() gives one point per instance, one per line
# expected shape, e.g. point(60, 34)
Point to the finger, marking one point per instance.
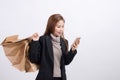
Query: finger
point(78, 41)
point(74, 46)
point(35, 35)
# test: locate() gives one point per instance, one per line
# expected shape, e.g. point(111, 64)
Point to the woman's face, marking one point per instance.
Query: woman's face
point(59, 28)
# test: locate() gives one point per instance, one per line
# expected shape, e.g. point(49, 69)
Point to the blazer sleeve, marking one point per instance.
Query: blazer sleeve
point(69, 55)
point(34, 51)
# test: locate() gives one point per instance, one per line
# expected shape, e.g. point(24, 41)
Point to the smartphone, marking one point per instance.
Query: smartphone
point(77, 40)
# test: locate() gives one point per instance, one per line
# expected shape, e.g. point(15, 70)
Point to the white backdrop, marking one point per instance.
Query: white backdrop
point(96, 21)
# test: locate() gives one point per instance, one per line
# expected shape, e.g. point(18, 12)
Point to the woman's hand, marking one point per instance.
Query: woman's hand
point(75, 44)
point(35, 37)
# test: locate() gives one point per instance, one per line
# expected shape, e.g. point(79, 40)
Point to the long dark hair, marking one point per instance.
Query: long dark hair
point(52, 21)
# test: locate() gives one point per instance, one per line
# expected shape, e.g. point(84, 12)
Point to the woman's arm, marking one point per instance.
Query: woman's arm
point(70, 55)
point(34, 49)
point(34, 52)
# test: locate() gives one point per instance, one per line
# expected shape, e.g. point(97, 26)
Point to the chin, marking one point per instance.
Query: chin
point(58, 35)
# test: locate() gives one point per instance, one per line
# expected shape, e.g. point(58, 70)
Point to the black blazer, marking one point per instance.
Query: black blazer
point(41, 53)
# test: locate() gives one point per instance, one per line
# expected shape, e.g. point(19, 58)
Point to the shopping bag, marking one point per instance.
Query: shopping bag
point(16, 50)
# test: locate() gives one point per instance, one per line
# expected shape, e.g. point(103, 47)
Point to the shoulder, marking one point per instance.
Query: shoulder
point(44, 37)
point(64, 40)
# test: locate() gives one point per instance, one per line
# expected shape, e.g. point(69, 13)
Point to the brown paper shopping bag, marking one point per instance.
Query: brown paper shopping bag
point(17, 52)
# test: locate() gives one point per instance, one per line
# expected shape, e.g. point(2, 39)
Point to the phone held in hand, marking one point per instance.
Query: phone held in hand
point(77, 40)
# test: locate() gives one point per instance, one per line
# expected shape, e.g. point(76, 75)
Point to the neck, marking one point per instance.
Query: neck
point(55, 38)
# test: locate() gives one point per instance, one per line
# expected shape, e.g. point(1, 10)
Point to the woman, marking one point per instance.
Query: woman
point(50, 51)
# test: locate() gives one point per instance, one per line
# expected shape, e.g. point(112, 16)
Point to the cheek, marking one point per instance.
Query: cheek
point(57, 30)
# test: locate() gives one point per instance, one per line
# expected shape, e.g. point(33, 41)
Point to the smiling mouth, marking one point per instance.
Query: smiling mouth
point(60, 32)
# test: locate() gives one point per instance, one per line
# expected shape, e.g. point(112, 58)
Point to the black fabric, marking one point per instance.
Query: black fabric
point(57, 78)
point(41, 53)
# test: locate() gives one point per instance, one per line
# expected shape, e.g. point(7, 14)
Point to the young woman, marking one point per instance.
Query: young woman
point(50, 50)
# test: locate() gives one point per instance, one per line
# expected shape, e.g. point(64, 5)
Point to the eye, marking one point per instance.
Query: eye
point(58, 26)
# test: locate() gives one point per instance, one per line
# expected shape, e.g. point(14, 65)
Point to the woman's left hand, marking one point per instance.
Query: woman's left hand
point(75, 44)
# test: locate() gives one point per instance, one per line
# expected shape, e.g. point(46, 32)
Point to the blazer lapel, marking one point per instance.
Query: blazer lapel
point(50, 48)
point(62, 44)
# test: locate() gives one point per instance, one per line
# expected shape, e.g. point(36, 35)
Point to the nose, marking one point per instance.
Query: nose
point(62, 28)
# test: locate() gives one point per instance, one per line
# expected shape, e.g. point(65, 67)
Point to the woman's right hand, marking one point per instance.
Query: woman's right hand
point(35, 37)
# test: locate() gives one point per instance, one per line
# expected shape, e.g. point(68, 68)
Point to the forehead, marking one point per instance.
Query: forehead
point(60, 22)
